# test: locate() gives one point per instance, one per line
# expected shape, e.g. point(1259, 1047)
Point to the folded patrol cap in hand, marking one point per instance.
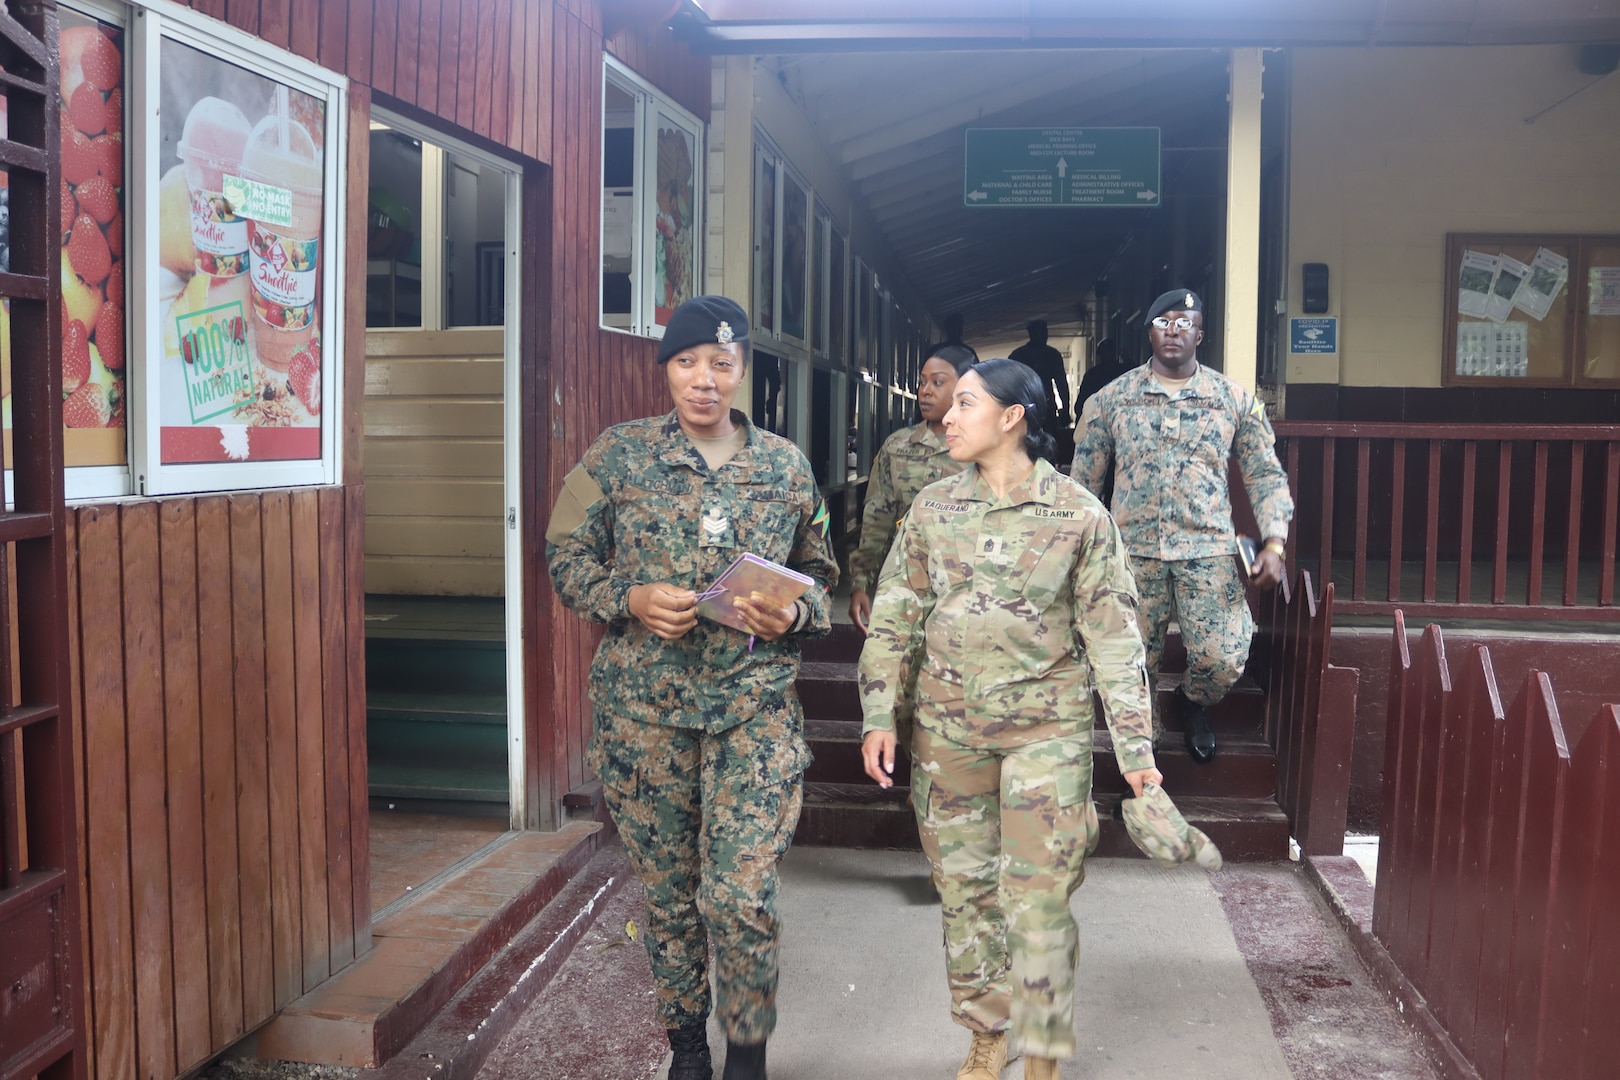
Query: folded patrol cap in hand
point(1157, 827)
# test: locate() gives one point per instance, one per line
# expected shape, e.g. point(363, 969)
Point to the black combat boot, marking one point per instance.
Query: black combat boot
point(691, 1046)
point(1197, 731)
point(744, 1062)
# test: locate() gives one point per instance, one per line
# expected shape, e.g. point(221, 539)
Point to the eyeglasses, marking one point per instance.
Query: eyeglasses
point(1181, 323)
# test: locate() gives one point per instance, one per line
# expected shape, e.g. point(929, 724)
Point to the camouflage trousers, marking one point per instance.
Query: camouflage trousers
point(1205, 596)
point(1007, 832)
point(705, 818)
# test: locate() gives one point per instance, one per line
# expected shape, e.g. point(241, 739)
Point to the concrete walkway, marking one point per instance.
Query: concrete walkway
point(1239, 975)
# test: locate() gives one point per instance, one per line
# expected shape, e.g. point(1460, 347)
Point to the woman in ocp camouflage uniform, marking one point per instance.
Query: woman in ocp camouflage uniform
point(699, 739)
point(908, 461)
point(1011, 582)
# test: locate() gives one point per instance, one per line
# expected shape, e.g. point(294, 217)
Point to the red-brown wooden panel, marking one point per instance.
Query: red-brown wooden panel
point(1397, 516)
point(112, 955)
point(243, 14)
point(188, 873)
point(427, 90)
point(216, 692)
point(334, 41)
point(354, 622)
point(275, 21)
point(484, 70)
point(1538, 524)
point(311, 757)
point(1541, 832)
point(449, 57)
point(1431, 525)
point(408, 61)
point(304, 28)
point(335, 693)
point(505, 30)
point(360, 48)
point(1572, 526)
point(70, 538)
point(148, 821)
point(467, 67)
point(281, 706)
point(384, 34)
point(252, 763)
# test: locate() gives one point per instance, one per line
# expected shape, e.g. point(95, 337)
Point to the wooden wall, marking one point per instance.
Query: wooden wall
point(598, 378)
point(216, 646)
point(434, 466)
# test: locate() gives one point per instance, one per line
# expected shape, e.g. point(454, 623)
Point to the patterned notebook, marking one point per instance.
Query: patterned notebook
point(750, 574)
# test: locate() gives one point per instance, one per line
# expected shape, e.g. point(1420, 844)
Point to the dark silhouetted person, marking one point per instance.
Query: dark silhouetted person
point(1105, 368)
point(1047, 364)
point(953, 336)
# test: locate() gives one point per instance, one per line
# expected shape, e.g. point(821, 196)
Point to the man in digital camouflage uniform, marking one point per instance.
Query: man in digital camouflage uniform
point(699, 739)
point(1170, 428)
point(1019, 605)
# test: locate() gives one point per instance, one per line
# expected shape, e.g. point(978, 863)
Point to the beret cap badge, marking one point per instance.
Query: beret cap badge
point(724, 334)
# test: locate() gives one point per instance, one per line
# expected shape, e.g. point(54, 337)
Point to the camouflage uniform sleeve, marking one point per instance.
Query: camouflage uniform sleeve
point(1263, 475)
point(812, 555)
point(579, 548)
point(1094, 449)
point(1105, 618)
point(904, 598)
point(878, 520)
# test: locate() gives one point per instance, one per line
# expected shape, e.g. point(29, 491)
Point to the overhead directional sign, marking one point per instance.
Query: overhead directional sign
point(1068, 167)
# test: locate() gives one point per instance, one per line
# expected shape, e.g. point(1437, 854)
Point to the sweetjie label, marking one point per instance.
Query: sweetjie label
point(220, 237)
point(214, 355)
point(284, 276)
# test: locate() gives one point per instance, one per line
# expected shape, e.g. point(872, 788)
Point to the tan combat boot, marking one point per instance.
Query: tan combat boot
point(985, 1058)
point(1039, 1068)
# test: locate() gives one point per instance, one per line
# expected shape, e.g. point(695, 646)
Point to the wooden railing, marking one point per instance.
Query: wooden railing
point(1408, 514)
point(1499, 866)
point(1310, 713)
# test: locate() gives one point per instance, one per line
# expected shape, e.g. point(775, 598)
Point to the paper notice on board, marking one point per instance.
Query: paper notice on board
point(1475, 281)
point(1603, 290)
point(1549, 271)
point(1510, 278)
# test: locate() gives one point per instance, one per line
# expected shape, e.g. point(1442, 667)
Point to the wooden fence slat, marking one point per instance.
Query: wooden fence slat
point(1538, 525)
point(384, 29)
point(252, 763)
point(274, 21)
point(333, 51)
point(1324, 572)
point(502, 32)
point(1611, 524)
point(1399, 720)
point(148, 817)
point(1502, 888)
point(1572, 533)
point(335, 710)
point(354, 623)
point(216, 682)
point(1431, 526)
point(188, 873)
point(112, 955)
point(485, 80)
point(1358, 581)
point(1546, 775)
point(1397, 515)
point(70, 542)
point(408, 66)
point(1465, 548)
point(1426, 844)
point(1504, 473)
point(281, 705)
point(449, 57)
point(304, 29)
point(361, 42)
point(1602, 982)
point(427, 90)
point(311, 760)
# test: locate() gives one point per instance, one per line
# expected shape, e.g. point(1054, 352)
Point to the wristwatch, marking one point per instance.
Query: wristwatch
point(1278, 546)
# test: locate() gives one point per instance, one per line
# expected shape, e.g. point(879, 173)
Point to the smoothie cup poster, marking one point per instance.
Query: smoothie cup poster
point(675, 243)
point(240, 246)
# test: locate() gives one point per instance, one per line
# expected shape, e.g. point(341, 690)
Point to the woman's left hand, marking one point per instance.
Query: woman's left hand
point(1137, 777)
point(765, 620)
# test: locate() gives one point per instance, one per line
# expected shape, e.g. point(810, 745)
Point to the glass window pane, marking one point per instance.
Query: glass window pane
point(822, 419)
point(95, 345)
point(675, 225)
point(795, 255)
point(818, 285)
point(619, 115)
point(394, 231)
point(838, 299)
point(770, 405)
point(765, 243)
point(243, 365)
point(1601, 313)
point(474, 243)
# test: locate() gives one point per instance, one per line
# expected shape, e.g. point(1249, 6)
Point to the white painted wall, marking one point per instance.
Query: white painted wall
point(1393, 148)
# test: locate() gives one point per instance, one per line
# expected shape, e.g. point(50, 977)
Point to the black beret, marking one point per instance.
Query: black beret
point(704, 320)
point(1174, 300)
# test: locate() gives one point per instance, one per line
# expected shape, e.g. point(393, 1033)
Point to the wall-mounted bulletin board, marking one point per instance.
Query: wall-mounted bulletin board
point(1527, 309)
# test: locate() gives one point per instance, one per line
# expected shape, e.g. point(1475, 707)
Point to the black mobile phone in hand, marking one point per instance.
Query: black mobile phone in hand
point(1247, 553)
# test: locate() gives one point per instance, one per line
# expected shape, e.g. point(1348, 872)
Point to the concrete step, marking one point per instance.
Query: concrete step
point(829, 691)
point(1244, 765)
point(402, 665)
point(866, 816)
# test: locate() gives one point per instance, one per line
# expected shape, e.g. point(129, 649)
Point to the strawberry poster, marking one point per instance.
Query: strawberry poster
point(240, 209)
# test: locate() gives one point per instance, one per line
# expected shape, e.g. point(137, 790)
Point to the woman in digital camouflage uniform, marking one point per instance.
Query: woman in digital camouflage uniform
point(699, 739)
point(1011, 582)
point(908, 461)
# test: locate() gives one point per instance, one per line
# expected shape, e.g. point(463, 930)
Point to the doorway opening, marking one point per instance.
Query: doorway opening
point(442, 572)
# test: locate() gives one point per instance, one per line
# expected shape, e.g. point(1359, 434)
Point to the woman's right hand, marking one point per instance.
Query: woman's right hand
point(665, 610)
point(860, 609)
point(877, 751)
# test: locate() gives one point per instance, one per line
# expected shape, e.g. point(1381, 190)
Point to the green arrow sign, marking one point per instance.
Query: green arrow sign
point(1024, 167)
